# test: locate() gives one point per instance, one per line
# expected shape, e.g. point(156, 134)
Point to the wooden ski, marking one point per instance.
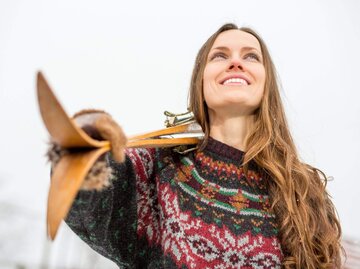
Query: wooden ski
point(70, 172)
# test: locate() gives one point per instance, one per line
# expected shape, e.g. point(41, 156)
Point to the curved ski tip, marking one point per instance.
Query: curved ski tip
point(51, 232)
point(39, 75)
point(40, 78)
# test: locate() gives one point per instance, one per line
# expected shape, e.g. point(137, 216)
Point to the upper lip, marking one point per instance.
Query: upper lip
point(235, 76)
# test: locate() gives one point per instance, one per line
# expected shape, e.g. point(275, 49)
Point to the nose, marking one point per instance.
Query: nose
point(235, 65)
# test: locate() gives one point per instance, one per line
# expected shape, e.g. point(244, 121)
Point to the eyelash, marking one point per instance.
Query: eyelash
point(223, 55)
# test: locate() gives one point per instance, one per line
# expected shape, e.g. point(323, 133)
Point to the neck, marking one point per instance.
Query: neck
point(231, 130)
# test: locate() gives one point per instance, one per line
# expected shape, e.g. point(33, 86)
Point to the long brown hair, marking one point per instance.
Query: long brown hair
point(309, 229)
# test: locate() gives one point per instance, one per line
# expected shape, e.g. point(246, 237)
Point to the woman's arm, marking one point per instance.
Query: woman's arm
point(104, 213)
point(107, 219)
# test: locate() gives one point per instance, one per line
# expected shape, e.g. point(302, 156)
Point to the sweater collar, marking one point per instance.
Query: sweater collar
point(224, 150)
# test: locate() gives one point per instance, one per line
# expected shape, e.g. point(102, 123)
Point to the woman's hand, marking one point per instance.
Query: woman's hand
point(101, 126)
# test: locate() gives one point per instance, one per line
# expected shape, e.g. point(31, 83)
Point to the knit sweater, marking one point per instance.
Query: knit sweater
point(166, 210)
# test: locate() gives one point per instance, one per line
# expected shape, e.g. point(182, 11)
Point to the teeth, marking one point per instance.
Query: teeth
point(235, 80)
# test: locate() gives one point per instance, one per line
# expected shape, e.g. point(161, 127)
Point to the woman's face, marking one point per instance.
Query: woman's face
point(234, 75)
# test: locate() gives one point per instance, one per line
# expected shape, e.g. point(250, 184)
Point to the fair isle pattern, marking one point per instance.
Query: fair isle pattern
point(198, 245)
point(237, 201)
point(224, 206)
point(221, 190)
point(148, 218)
point(189, 240)
point(222, 169)
point(236, 223)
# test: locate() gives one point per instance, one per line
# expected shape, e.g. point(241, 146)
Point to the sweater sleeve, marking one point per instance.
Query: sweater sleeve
point(107, 220)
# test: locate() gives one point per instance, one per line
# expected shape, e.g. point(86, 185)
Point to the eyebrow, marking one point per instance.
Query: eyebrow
point(243, 48)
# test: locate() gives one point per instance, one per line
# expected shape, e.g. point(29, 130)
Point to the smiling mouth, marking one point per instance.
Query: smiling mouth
point(235, 82)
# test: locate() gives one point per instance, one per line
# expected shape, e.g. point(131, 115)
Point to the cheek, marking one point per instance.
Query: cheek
point(208, 79)
point(210, 96)
point(207, 92)
point(212, 71)
point(207, 75)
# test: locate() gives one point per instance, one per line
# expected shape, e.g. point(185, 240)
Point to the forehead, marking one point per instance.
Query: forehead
point(236, 39)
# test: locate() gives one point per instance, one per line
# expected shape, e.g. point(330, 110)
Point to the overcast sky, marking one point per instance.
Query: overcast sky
point(134, 60)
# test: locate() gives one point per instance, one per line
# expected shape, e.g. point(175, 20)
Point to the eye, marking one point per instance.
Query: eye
point(252, 57)
point(218, 56)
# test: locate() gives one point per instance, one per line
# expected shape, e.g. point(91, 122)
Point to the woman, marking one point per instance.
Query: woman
point(243, 199)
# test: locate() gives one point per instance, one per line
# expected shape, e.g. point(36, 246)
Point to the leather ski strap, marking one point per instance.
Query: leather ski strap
point(70, 172)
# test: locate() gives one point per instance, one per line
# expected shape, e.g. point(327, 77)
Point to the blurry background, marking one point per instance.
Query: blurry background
point(134, 59)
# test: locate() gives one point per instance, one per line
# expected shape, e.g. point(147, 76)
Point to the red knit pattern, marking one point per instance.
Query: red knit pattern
point(189, 240)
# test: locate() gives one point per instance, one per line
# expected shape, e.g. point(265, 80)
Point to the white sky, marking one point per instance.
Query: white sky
point(134, 59)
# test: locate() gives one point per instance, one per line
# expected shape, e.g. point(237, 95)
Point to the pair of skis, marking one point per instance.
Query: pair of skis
point(70, 172)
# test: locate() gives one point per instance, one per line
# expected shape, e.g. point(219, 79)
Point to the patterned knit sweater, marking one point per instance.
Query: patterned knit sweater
point(166, 210)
